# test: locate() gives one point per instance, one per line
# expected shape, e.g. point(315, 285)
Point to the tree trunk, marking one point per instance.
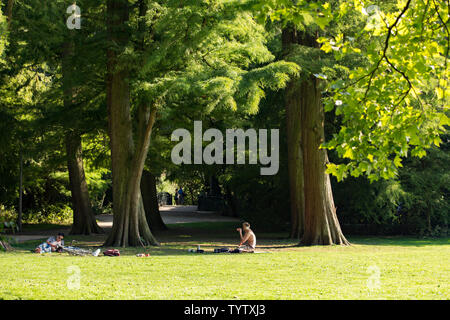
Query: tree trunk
point(83, 218)
point(232, 203)
point(9, 8)
point(130, 227)
point(321, 222)
point(214, 186)
point(312, 203)
point(19, 216)
point(295, 159)
point(191, 193)
point(150, 199)
point(5, 245)
point(294, 141)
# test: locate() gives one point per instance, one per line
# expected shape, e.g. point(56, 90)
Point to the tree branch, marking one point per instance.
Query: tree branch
point(386, 46)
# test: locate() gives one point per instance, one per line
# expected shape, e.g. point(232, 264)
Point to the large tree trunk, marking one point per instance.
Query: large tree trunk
point(295, 159)
point(312, 201)
point(130, 227)
point(150, 199)
point(294, 143)
point(83, 218)
point(321, 222)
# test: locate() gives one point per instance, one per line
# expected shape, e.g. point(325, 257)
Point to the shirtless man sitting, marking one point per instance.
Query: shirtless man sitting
point(248, 240)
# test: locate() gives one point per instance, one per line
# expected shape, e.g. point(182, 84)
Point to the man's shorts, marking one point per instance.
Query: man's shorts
point(246, 247)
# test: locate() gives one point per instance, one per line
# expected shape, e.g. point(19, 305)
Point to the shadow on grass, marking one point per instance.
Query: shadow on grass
point(181, 237)
point(171, 245)
point(398, 241)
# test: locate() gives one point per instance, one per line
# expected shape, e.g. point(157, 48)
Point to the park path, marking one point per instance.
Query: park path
point(175, 214)
point(169, 214)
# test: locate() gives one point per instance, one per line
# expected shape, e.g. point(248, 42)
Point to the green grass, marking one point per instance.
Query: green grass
point(409, 269)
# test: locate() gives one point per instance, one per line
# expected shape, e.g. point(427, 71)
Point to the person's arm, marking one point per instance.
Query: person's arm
point(50, 242)
point(244, 238)
point(240, 232)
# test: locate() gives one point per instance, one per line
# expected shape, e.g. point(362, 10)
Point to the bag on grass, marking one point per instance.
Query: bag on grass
point(112, 253)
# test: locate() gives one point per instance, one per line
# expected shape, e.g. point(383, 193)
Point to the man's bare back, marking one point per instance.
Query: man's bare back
point(248, 239)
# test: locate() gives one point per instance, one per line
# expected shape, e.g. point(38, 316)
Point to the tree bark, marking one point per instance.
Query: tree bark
point(321, 222)
point(232, 202)
point(83, 218)
point(312, 203)
point(150, 199)
point(130, 227)
point(5, 245)
point(295, 159)
point(9, 9)
point(19, 216)
point(294, 143)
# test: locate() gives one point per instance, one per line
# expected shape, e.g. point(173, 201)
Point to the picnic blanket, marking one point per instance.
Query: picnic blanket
point(76, 251)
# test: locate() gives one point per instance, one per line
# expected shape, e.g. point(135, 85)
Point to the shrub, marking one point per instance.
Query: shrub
point(414, 203)
point(58, 214)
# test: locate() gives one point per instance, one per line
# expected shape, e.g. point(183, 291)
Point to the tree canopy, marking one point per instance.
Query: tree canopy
point(356, 89)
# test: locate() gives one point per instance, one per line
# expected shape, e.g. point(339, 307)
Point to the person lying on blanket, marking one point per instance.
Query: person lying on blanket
point(51, 245)
point(248, 240)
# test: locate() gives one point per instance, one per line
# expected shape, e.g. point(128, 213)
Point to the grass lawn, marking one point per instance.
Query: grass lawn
point(408, 268)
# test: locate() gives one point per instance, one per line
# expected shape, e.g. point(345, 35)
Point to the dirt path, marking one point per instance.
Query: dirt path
point(169, 214)
point(176, 214)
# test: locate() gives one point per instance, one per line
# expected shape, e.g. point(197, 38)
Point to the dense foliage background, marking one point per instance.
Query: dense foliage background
point(413, 200)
